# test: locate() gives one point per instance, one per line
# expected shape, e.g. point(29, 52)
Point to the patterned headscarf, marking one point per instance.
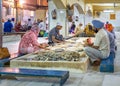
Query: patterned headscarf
point(35, 28)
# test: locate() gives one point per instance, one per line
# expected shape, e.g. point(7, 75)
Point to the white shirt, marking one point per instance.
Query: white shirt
point(42, 26)
point(78, 30)
point(29, 23)
point(13, 23)
point(102, 40)
point(2, 27)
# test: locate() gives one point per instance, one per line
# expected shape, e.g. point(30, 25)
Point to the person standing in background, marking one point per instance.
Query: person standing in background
point(42, 25)
point(29, 24)
point(72, 28)
point(13, 23)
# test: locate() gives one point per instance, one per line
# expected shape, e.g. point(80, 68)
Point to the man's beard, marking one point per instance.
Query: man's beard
point(96, 30)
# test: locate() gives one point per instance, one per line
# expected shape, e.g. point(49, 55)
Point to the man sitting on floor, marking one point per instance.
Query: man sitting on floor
point(54, 35)
point(101, 46)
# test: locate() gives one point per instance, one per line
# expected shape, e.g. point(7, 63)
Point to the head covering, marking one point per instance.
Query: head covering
point(13, 19)
point(29, 19)
point(59, 24)
point(110, 28)
point(9, 20)
point(98, 24)
point(35, 27)
point(107, 22)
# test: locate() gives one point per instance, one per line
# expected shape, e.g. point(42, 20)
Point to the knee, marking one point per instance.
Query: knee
point(86, 49)
point(30, 50)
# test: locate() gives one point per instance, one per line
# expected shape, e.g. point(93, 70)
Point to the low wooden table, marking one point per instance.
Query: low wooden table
point(63, 75)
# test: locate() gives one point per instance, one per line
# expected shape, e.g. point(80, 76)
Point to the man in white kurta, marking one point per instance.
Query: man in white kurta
point(101, 46)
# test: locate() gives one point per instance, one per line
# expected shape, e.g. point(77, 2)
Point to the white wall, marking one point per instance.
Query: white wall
point(88, 19)
point(5, 16)
point(28, 14)
point(106, 17)
point(61, 17)
point(80, 19)
point(52, 22)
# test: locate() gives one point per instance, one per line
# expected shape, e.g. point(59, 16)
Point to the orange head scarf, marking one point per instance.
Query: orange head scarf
point(110, 27)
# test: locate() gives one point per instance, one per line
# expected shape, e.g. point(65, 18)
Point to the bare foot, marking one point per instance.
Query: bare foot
point(96, 63)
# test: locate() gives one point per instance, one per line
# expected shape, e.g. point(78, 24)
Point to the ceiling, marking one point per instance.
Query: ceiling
point(100, 5)
point(102, 1)
point(27, 4)
point(97, 5)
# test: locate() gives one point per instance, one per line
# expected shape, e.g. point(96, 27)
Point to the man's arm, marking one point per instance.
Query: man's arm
point(86, 43)
point(96, 47)
point(91, 45)
point(55, 40)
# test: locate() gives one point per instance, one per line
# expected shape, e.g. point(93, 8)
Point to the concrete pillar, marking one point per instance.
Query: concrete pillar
point(1, 23)
point(16, 6)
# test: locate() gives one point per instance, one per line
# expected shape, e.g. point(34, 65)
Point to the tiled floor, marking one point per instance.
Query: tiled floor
point(91, 78)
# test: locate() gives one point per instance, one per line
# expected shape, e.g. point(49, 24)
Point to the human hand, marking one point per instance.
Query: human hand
point(47, 49)
point(85, 43)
